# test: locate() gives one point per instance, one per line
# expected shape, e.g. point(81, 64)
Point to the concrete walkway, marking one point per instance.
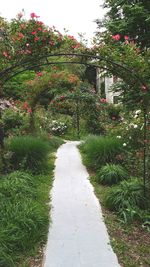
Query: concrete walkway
point(77, 235)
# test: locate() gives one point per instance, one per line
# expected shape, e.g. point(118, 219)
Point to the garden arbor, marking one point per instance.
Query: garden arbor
point(90, 58)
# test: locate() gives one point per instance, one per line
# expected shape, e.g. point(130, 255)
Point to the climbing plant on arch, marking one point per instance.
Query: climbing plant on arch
point(30, 44)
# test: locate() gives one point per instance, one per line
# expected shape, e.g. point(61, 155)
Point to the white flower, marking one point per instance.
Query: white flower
point(124, 144)
point(118, 136)
point(135, 126)
point(137, 111)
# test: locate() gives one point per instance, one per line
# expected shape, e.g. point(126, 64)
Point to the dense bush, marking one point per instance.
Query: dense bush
point(14, 121)
point(29, 153)
point(126, 195)
point(100, 150)
point(111, 174)
point(23, 217)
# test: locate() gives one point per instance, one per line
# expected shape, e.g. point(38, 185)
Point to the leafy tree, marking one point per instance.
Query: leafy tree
point(128, 17)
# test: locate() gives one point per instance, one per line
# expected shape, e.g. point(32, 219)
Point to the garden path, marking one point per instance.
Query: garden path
point(77, 235)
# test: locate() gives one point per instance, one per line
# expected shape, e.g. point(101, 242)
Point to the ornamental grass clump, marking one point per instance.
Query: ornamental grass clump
point(100, 150)
point(128, 194)
point(111, 174)
point(29, 153)
point(23, 217)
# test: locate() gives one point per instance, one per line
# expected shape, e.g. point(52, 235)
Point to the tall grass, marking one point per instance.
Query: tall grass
point(29, 153)
point(24, 215)
point(100, 150)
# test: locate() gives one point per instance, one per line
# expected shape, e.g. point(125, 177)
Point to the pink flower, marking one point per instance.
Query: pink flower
point(126, 37)
point(72, 37)
point(33, 15)
point(39, 74)
point(20, 35)
point(51, 43)
point(116, 37)
point(25, 105)
point(33, 33)
point(29, 110)
point(5, 54)
point(103, 100)
point(75, 46)
point(36, 39)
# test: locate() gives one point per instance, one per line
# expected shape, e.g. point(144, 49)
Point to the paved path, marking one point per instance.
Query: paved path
point(77, 235)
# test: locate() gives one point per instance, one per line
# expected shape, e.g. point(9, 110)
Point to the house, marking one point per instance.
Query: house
point(103, 86)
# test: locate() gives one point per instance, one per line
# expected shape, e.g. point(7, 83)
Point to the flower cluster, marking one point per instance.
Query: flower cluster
point(57, 127)
point(117, 37)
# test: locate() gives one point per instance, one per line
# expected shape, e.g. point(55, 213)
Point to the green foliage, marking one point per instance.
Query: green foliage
point(128, 18)
point(111, 174)
point(100, 150)
point(13, 120)
point(16, 87)
point(29, 153)
point(55, 142)
point(114, 111)
point(127, 195)
point(23, 217)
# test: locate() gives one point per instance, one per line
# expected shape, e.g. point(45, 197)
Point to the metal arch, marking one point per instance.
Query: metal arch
point(52, 63)
point(7, 73)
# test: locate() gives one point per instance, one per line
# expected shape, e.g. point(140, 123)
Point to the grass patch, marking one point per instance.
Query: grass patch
point(24, 216)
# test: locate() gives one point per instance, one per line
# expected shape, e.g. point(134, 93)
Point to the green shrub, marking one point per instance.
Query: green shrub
point(29, 153)
point(100, 150)
point(14, 122)
point(126, 195)
point(111, 174)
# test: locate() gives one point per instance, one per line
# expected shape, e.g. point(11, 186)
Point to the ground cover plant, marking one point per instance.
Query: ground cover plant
point(111, 174)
